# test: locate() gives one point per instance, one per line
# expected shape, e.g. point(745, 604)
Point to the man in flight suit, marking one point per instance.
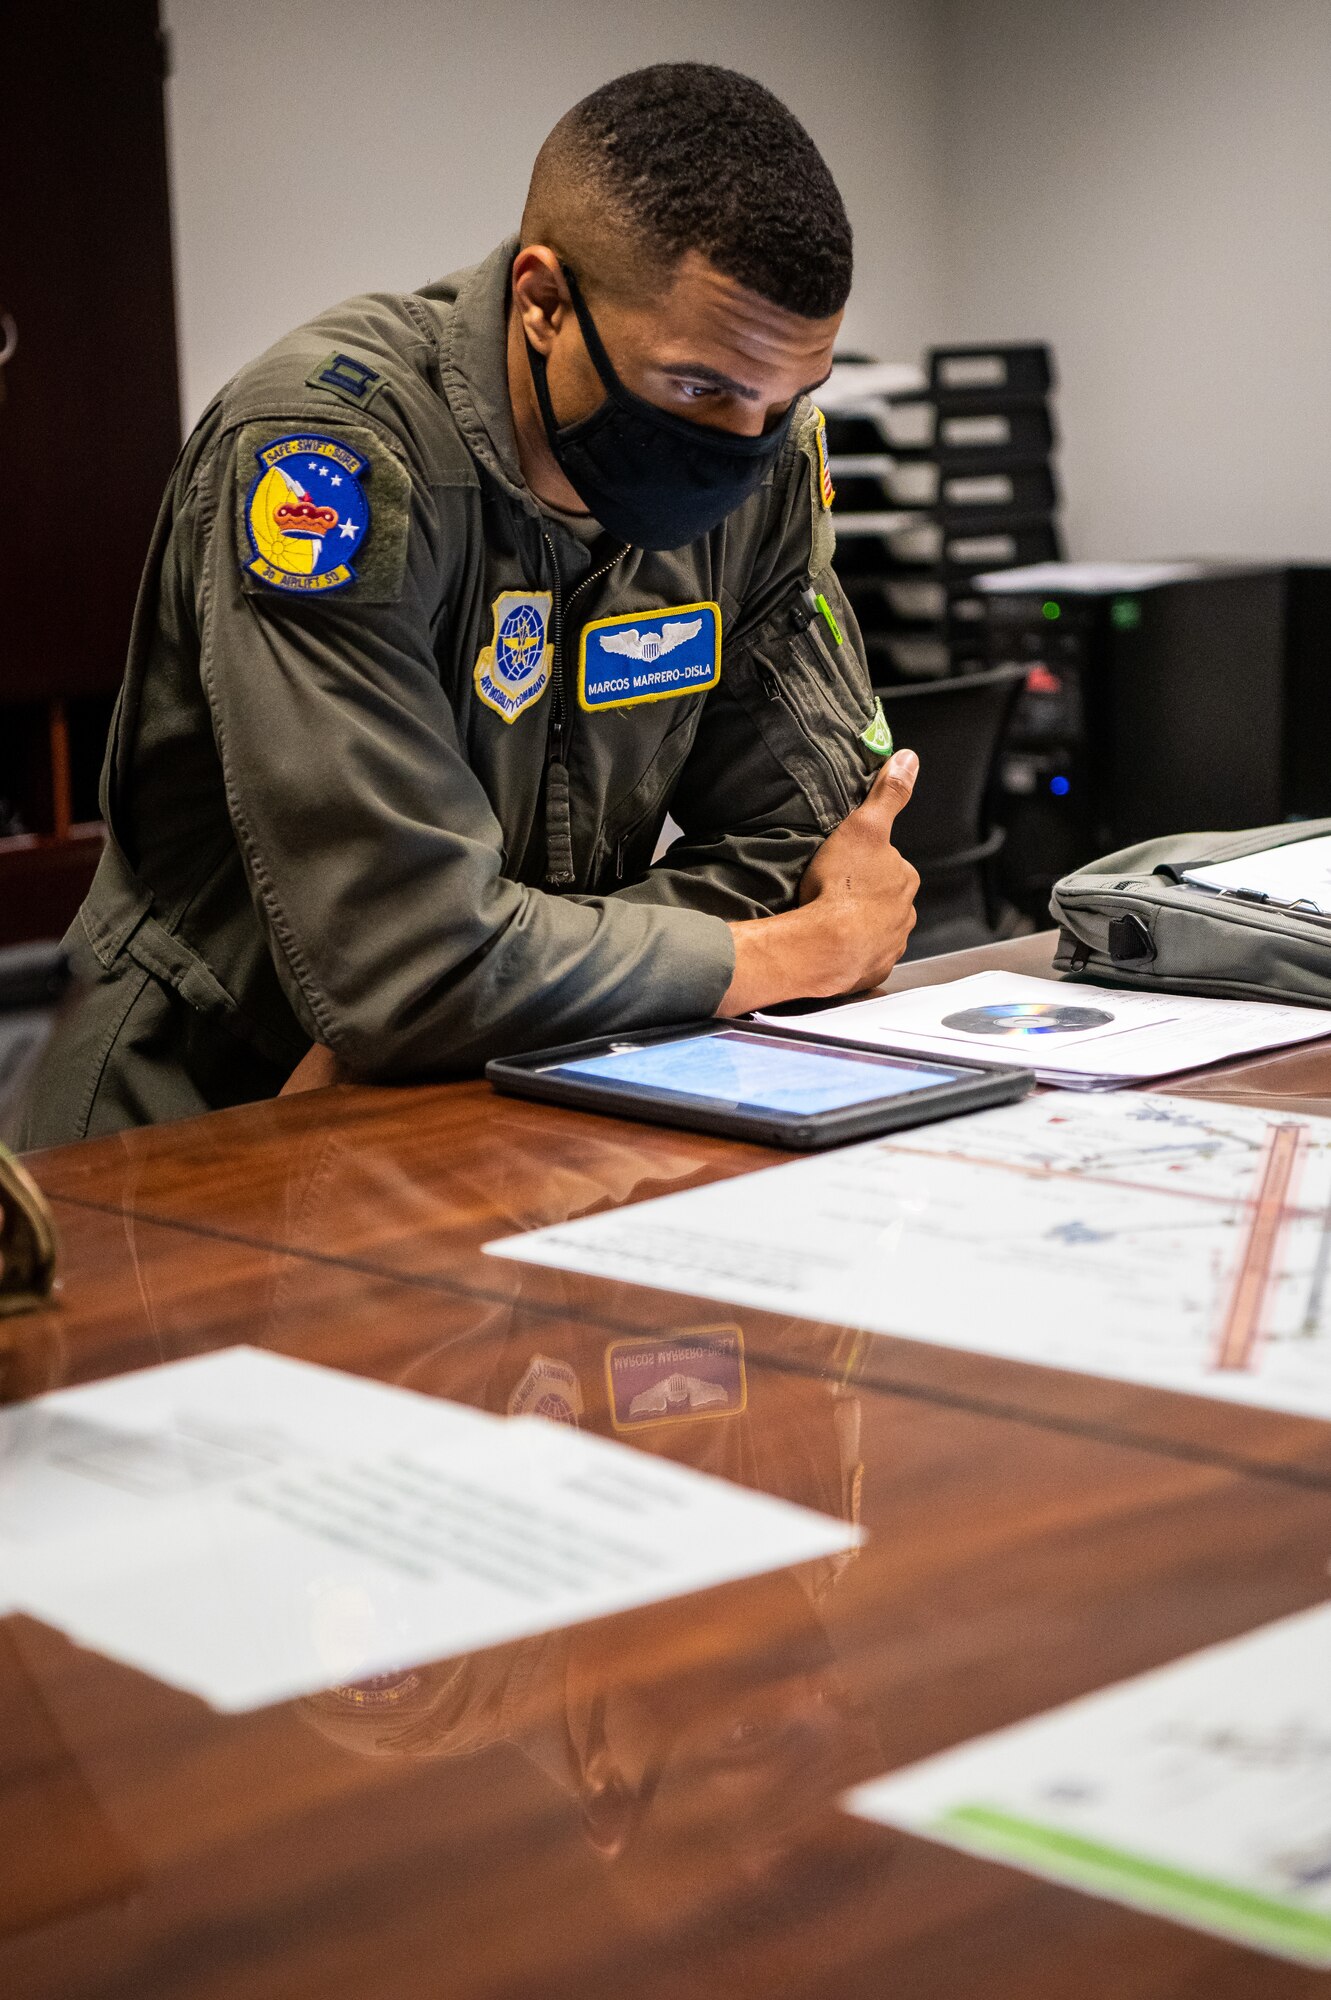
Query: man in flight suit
point(453, 595)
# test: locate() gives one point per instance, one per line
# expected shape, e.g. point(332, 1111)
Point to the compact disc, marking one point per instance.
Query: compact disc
point(1026, 1017)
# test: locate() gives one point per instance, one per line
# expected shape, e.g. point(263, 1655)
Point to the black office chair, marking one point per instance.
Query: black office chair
point(956, 726)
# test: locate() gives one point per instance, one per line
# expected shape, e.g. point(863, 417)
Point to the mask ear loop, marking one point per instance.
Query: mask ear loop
point(536, 362)
point(600, 360)
point(595, 346)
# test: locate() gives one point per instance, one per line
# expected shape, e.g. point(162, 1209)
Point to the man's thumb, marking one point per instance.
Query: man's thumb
point(895, 783)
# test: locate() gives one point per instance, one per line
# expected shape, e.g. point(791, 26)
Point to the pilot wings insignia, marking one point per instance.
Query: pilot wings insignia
point(649, 646)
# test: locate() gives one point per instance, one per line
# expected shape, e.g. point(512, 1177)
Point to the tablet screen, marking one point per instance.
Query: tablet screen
point(758, 1072)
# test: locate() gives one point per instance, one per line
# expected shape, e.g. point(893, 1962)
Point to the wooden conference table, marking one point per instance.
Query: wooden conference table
point(647, 1804)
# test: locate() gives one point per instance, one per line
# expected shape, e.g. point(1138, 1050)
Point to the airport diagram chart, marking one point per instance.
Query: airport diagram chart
point(1155, 1239)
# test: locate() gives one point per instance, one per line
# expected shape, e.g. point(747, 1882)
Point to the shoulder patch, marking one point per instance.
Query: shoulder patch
point(826, 490)
point(342, 375)
point(319, 513)
point(812, 441)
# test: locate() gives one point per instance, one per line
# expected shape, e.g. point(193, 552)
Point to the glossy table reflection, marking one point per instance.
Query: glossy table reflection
point(647, 1802)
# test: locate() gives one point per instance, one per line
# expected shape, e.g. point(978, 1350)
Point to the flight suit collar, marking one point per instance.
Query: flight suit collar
point(472, 312)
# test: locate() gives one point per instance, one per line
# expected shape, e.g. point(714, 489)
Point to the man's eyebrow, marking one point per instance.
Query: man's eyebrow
point(699, 371)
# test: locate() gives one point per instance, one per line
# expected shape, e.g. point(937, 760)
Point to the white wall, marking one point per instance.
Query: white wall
point(1147, 183)
point(324, 147)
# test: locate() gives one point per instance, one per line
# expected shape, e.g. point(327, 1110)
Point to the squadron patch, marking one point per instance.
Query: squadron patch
point(513, 671)
point(676, 1380)
point(649, 656)
point(306, 514)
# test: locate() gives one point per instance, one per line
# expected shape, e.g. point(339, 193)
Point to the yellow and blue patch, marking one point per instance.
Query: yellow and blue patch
point(513, 671)
point(306, 514)
point(649, 656)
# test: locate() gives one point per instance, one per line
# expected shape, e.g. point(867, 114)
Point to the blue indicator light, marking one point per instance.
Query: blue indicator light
point(1059, 787)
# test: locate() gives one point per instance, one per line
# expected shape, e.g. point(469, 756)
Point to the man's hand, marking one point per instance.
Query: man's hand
point(857, 909)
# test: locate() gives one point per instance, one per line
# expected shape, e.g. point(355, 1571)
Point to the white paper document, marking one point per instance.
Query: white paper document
point(1299, 872)
point(1149, 1239)
point(251, 1528)
point(1200, 1792)
point(1076, 1036)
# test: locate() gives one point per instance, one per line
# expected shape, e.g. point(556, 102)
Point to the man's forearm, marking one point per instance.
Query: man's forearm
point(855, 917)
point(793, 956)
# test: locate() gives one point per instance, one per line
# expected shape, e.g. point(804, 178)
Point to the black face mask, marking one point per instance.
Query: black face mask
point(651, 479)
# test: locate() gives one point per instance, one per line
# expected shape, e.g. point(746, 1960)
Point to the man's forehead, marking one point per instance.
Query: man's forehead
point(707, 321)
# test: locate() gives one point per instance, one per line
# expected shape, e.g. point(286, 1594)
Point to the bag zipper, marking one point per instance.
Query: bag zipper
point(1240, 911)
point(559, 871)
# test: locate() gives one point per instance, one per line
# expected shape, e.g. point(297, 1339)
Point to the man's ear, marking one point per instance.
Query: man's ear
point(540, 294)
point(608, 1807)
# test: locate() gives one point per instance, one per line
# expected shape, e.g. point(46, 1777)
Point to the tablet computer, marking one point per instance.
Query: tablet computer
point(751, 1081)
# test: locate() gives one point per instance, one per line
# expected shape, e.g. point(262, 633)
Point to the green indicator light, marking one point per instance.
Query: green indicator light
point(1051, 610)
point(1126, 613)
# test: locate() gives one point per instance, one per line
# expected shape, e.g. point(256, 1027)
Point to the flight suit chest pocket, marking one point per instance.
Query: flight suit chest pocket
point(810, 703)
point(632, 823)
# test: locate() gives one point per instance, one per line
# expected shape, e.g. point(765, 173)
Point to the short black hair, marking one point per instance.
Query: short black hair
point(702, 158)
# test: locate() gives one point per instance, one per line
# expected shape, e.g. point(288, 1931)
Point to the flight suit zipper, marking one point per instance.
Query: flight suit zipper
point(559, 870)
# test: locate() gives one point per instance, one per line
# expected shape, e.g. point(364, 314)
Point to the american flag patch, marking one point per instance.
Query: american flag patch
point(825, 486)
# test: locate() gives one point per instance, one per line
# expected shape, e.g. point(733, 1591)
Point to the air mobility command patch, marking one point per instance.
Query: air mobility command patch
point(549, 1389)
point(321, 514)
point(649, 656)
point(513, 671)
point(676, 1379)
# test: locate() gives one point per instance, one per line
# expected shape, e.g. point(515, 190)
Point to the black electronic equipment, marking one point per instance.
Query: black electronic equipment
point(745, 1080)
point(937, 483)
point(1159, 698)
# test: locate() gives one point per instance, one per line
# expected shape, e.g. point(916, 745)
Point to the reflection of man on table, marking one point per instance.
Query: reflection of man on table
point(703, 1743)
point(454, 595)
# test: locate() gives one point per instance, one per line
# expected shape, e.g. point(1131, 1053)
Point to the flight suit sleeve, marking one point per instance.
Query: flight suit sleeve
point(373, 857)
point(779, 758)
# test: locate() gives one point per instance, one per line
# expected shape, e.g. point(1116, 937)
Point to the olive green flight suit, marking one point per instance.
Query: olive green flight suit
point(320, 831)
